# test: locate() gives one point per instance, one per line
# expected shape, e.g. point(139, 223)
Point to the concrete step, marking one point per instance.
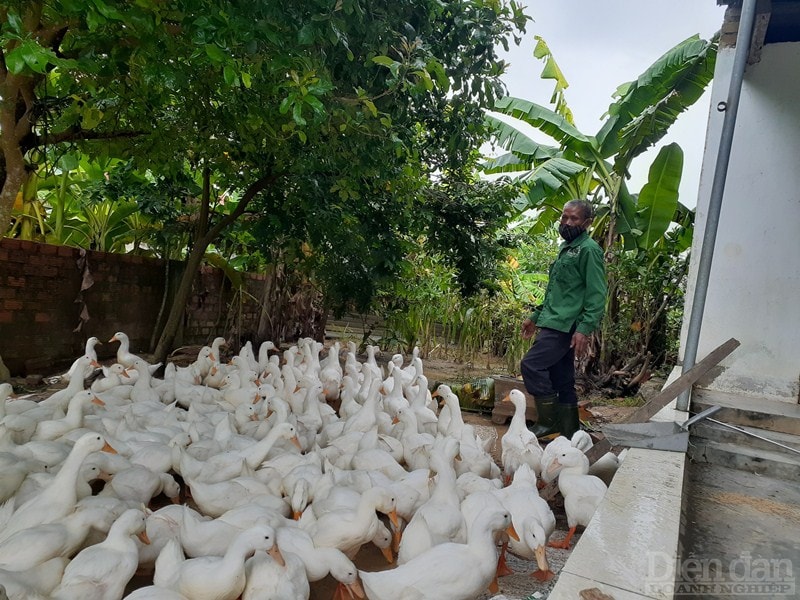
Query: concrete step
point(780, 465)
point(770, 415)
point(715, 432)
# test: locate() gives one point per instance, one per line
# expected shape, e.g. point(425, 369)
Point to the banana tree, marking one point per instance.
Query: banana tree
point(652, 225)
point(596, 167)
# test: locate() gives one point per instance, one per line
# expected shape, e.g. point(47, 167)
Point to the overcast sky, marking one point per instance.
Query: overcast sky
point(600, 44)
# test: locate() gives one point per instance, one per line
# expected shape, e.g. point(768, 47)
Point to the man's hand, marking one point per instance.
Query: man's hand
point(528, 329)
point(580, 343)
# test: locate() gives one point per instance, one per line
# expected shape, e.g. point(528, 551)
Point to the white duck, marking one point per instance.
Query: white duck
point(36, 482)
point(113, 377)
point(448, 571)
point(331, 373)
point(35, 583)
point(139, 485)
point(214, 499)
point(30, 547)
point(213, 577)
point(299, 486)
point(236, 391)
point(417, 445)
point(263, 354)
point(83, 371)
point(203, 536)
point(234, 463)
point(421, 403)
point(124, 354)
point(53, 429)
point(451, 421)
point(102, 571)
point(519, 445)
point(161, 526)
point(56, 403)
point(532, 517)
point(349, 529)
point(59, 498)
point(582, 492)
point(580, 440)
point(14, 470)
point(320, 562)
point(154, 592)
point(438, 520)
point(143, 390)
point(270, 578)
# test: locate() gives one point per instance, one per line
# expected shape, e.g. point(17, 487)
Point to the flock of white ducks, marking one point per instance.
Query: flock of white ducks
point(239, 480)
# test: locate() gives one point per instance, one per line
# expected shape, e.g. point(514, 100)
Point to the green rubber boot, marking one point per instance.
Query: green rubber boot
point(546, 415)
point(568, 419)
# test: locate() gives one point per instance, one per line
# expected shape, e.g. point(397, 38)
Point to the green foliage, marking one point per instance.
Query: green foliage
point(297, 136)
point(658, 201)
point(596, 167)
point(467, 223)
point(426, 308)
point(648, 297)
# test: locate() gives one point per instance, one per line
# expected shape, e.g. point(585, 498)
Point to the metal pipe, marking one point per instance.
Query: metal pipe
point(755, 435)
point(731, 108)
point(700, 416)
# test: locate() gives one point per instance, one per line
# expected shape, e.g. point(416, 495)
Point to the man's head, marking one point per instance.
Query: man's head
point(575, 219)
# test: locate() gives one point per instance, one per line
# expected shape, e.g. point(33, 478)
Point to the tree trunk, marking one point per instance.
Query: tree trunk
point(13, 155)
point(194, 260)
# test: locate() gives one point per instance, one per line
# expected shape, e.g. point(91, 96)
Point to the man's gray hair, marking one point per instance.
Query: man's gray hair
point(585, 207)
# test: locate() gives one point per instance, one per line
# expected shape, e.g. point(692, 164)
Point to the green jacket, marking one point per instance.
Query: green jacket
point(576, 292)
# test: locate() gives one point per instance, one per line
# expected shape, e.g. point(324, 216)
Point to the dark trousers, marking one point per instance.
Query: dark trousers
point(548, 368)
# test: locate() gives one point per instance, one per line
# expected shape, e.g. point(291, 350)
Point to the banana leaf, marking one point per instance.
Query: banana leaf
point(658, 200)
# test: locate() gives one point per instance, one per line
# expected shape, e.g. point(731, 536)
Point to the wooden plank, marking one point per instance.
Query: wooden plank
point(669, 393)
point(682, 383)
point(502, 411)
point(598, 450)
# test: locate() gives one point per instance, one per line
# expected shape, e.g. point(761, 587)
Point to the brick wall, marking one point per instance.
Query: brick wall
point(42, 303)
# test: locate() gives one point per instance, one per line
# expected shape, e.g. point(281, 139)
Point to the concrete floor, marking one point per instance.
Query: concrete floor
point(740, 535)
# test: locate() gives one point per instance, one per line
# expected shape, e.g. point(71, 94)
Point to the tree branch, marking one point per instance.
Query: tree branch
point(255, 188)
point(76, 134)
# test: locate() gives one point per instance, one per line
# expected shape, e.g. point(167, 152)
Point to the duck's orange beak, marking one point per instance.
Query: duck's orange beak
point(393, 518)
point(142, 535)
point(543, 573)
point(512, 533)
point(108, 448)
point(276, 555)
point(351, 591)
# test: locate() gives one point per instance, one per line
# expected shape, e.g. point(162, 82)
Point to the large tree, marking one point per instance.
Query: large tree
point(317, 117)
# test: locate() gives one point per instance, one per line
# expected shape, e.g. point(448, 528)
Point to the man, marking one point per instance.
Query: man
point(573, 306)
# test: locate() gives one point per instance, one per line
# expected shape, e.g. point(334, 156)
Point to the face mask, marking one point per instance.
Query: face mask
point(570, 232)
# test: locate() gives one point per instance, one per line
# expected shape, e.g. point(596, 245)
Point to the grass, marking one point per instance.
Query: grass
point(626, 401)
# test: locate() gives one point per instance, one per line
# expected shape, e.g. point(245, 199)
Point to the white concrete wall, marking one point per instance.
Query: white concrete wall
point(754, 287)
